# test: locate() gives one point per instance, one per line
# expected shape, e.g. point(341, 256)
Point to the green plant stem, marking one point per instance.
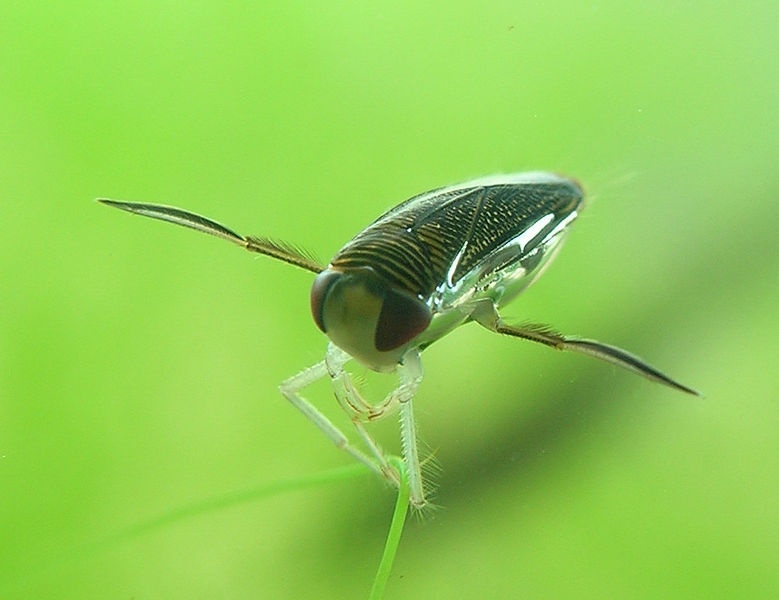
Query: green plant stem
point(186, 512)
point(394, 533)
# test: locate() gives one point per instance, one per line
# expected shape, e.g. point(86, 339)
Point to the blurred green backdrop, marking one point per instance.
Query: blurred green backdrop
point(139, 363)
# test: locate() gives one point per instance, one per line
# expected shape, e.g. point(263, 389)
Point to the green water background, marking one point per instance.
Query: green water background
point(139, 363)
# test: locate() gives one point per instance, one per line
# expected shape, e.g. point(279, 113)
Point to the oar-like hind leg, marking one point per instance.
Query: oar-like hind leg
point(485, 313)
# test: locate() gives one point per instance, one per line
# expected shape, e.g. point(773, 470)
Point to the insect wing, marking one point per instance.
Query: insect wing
point(441, 236)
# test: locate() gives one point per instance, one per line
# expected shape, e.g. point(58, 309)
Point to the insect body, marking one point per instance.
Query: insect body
point(436, 261)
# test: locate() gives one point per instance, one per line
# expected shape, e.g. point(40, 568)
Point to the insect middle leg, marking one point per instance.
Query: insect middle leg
point(291, 388)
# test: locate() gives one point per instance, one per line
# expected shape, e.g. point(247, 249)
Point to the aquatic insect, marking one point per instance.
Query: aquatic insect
point(438, 260)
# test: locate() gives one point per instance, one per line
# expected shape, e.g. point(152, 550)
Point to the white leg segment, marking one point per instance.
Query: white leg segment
point(291, 387)
point(410, 377)
point(358, 409)
point(361, 411)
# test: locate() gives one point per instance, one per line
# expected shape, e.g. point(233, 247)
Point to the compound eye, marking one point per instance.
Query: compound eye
point(319, 290)
point(402, 318)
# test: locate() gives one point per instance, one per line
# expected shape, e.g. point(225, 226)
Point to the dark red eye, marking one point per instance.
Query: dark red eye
point(322, 284)
point(402, 318)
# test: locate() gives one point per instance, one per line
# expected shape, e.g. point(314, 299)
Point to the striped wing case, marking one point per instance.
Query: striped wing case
point(440, 236)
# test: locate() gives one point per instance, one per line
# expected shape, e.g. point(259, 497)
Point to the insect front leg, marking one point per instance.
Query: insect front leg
point(358, 409)
point(410, 376)
point(290, 389)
